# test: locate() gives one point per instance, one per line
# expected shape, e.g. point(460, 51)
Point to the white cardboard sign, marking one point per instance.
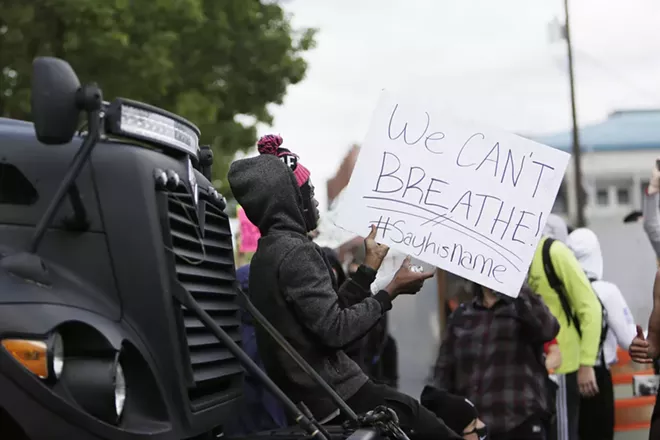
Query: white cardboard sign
point(461, 196)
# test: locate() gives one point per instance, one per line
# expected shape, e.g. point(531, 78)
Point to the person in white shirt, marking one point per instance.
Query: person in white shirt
point(597, 412)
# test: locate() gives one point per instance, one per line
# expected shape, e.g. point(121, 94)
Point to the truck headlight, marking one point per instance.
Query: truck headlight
point(43, 358)
point(120, 390)
point(57, 355)
point(98, 385)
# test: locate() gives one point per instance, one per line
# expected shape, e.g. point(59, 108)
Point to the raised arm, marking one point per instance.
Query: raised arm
point(652, 219)
point(540, 324)
point(356, 288)
point(308, 286)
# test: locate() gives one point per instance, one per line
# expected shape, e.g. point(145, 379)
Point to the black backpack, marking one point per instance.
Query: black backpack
point(558, 286)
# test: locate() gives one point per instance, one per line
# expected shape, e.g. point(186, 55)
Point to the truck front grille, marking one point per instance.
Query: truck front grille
point(204, 264)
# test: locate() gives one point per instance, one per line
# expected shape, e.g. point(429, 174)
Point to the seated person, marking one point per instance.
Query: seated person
point(291, 283)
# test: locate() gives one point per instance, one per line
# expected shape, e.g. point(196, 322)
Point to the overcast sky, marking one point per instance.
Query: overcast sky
point(491, 61)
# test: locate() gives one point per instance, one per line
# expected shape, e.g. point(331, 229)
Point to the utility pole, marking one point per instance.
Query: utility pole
point(577, 158)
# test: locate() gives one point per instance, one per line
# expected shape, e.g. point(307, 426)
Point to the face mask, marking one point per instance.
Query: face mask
point(482, 433)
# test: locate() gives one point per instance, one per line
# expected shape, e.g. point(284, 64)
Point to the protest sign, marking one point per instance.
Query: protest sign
point(249, 233)
point(329, 234)
point(461, 196)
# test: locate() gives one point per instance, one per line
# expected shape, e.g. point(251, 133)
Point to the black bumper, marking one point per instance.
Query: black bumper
point(43, 415)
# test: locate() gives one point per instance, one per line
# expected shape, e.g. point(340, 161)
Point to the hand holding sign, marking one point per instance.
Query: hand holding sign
point(408, 280)
point(375, 253)
point(468, 199)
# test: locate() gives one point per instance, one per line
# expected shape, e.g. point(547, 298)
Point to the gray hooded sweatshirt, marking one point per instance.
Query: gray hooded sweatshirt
point(291, 284)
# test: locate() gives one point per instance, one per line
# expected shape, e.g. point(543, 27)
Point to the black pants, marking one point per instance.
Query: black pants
point(566, 424)
point(418, 422)
point(531, 429)
point(597, 413)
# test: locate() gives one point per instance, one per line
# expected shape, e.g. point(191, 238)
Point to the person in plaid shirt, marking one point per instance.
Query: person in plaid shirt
point(492, 353)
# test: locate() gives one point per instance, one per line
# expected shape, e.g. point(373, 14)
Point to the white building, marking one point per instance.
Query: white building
point(618, 156)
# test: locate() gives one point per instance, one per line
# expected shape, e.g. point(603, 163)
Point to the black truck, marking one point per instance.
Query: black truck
point(118, 300)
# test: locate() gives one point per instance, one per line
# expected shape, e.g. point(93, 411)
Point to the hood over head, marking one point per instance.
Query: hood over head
point(268, 191)
point(584, 244)
point(555, 227)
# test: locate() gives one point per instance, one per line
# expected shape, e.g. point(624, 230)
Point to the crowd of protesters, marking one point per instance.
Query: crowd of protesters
point(532, 367)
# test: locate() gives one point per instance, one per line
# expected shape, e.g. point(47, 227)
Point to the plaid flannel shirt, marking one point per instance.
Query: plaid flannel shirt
point(493, 357)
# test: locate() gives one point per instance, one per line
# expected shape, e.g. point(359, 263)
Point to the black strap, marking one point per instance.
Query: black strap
point(558, 286)
point(605, 325)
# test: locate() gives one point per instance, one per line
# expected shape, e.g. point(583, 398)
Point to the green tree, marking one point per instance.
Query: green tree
point(207, 60)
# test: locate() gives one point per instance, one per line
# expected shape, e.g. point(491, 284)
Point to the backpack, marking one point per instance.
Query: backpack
point(558, 286)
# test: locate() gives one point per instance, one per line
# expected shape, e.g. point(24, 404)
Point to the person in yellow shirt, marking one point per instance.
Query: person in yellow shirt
point(556, 275)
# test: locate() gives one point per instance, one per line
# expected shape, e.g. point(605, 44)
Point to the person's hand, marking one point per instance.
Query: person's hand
point(639, 350)
point(374, 252)
point(586, 377)
point(553, 359)
point(407, 281)
point(470, 433)
point(654, 183)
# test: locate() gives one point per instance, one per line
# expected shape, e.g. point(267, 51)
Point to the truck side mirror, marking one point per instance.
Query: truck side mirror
point(54, 106)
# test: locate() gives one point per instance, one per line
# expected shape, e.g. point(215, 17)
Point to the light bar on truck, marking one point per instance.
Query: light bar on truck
point(141, 121)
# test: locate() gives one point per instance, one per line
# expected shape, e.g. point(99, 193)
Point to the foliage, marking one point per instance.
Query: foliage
point(207, 60)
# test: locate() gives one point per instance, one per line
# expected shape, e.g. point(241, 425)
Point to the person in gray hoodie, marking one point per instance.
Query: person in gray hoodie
point(291, 283)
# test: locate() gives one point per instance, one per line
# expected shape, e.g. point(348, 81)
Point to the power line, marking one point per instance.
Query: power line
point(652, 96)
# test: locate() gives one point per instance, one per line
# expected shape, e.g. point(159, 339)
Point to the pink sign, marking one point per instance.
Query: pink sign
point(249, 233)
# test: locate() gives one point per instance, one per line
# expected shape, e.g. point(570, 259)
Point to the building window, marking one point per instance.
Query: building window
point(602, 197)
point(623, 196)
point(614, 192)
